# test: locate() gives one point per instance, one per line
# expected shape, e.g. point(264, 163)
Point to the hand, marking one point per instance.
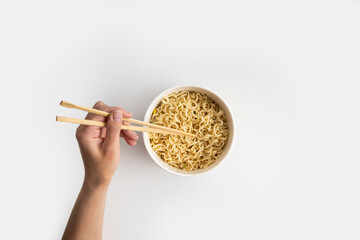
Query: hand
point(100, 147)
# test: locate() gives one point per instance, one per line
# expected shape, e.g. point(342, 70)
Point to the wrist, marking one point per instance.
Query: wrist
point(95, 183)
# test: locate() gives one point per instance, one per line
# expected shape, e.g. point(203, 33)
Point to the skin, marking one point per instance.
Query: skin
point(100, 151)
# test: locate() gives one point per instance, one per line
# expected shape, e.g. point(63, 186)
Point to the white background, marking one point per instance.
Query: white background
point(290, 70)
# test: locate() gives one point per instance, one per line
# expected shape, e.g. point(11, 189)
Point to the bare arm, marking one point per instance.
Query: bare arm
point(100, 150)
point(86, 219)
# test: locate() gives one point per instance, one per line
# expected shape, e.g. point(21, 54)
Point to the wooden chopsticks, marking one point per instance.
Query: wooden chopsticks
point(150, 127)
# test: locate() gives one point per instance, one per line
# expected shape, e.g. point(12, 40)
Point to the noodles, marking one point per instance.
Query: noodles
point(195, 113)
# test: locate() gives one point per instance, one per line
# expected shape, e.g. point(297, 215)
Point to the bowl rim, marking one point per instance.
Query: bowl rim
point(147, 117)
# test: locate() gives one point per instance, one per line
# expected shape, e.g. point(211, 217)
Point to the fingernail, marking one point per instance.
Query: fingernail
point(117, 115)
point(135, 135)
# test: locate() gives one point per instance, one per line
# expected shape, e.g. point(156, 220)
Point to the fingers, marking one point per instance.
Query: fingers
point(113, 129)
point(129, 136)
point(103, 107)
point(127, 140)
point(100, 106)
point(85, 133)
point(126, 114)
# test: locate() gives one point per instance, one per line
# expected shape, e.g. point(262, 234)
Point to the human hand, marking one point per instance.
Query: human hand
point(100, 147)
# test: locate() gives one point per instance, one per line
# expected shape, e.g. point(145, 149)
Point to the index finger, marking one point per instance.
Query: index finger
point(129, 136)
point(109, 109)
point(91, 116)
point(100, 106)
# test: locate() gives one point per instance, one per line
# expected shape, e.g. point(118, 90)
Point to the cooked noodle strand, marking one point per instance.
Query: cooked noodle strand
point(195, 113)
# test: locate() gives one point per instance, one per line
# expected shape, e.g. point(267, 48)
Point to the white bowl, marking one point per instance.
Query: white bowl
point(229, 116)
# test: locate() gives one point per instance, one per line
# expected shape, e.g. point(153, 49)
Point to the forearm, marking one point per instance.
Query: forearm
point(86, 219)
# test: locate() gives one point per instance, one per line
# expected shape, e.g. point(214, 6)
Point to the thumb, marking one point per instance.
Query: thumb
point(113, 128)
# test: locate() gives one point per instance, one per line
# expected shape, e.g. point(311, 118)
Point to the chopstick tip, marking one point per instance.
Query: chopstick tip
point(67, 104)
